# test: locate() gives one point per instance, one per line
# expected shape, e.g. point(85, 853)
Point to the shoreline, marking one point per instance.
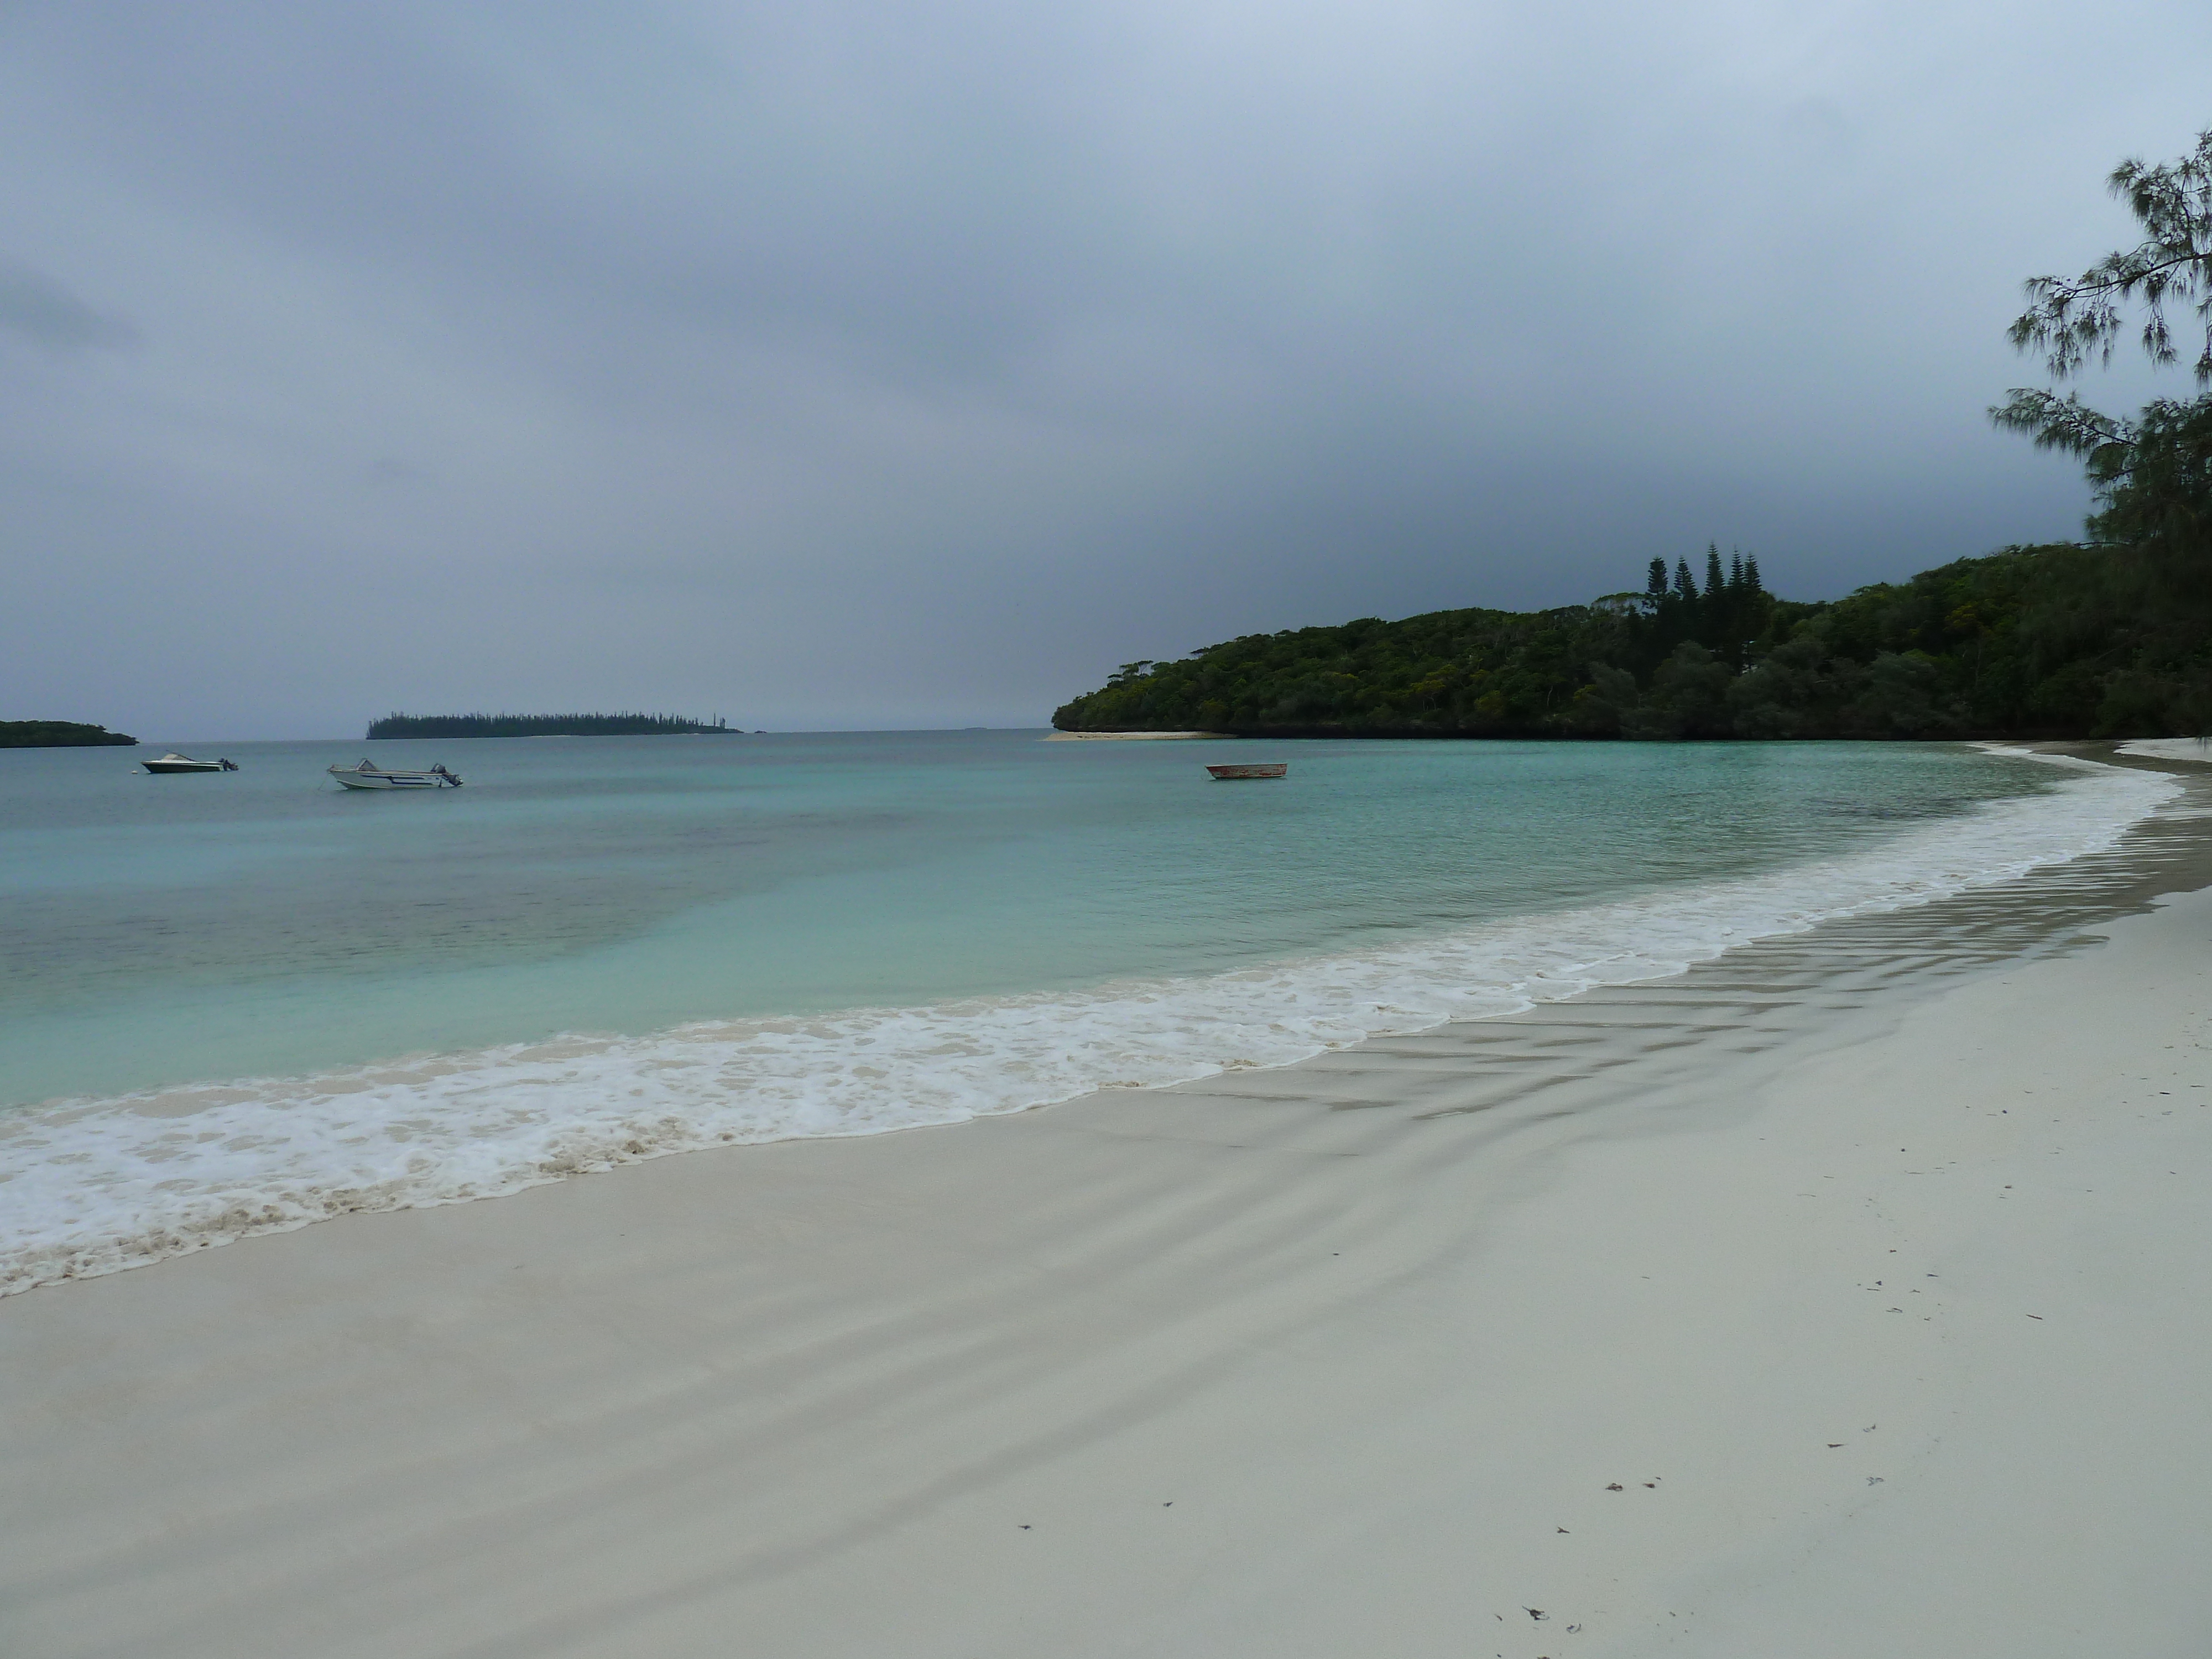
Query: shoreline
point(1130, 737)
point(111, 1184)
point(1338, 1356)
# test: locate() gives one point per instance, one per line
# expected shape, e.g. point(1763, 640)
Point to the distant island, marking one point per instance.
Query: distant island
point(546, 726)
point(58, 734)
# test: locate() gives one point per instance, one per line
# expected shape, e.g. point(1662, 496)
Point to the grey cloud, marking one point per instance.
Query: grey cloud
point(866, 362)
point(38, 308)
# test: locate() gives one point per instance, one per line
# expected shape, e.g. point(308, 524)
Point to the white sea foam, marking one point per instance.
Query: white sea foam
point(90, 1187)
point(2187, 749)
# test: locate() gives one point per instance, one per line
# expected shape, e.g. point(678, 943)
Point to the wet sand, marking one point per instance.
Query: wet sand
point(1842, 1295)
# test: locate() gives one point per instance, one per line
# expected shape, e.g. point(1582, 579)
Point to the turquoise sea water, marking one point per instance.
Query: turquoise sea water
point(253, 995)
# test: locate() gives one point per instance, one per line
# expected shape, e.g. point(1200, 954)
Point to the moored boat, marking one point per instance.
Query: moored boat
point(369, 775)
point(174, 761)
point(1232, 770)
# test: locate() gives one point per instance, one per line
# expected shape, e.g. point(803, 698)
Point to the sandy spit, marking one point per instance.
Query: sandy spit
point(1128, 736)
point(1842, 1296)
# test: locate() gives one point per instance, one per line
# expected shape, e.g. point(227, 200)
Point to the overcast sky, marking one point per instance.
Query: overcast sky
point(914, 362)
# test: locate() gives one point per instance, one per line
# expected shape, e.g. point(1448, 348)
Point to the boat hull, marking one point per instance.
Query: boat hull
point(1235, 772)
point(185, 764)
point(391, 783)
point(369, 778)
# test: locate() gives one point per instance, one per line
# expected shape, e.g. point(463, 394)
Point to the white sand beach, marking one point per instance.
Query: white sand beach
point(1841, 1296)
point(2198, 750)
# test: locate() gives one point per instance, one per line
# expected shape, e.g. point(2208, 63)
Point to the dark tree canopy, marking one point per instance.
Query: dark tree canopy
point(540, 726)
point(2041, 641)
point(57, 734)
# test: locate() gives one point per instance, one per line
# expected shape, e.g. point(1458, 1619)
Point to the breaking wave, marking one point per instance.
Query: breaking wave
point(92, 1186)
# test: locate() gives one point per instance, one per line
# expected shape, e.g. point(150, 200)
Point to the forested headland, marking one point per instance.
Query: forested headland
point(545, 725)
point(2108, 636)
point(58, 734)
point(2031, 641)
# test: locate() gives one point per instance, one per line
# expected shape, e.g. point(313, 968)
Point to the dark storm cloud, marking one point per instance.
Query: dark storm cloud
point(877, 363)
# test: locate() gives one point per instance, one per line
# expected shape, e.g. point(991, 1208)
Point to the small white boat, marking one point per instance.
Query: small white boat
point(1229, 771)
point(369, 775)
point(174, 761)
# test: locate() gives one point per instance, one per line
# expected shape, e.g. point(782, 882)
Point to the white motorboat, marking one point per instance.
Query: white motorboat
point(174, 761)
point(369, 775)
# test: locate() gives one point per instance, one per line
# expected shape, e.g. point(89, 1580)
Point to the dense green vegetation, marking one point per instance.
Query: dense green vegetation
point(2031, 641)
point(2110, 636)
point(56, 734)
point(540, 726)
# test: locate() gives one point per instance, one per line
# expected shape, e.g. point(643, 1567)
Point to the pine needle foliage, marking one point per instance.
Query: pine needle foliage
point(2072, 319)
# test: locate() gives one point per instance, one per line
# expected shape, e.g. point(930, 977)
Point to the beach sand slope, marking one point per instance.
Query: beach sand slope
point(1843, 1297)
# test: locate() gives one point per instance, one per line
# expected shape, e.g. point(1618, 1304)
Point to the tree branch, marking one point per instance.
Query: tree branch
point(2067, 423)
point(2070, 320)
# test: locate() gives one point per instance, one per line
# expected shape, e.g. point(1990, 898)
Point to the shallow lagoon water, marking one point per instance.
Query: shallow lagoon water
point(742, 937)
point(171, 929)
